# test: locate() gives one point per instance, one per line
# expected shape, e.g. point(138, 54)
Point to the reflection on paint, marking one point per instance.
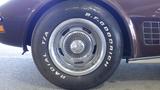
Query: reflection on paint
point(2, 2)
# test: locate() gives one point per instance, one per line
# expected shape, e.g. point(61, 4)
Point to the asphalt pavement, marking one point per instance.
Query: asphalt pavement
point(18, 72)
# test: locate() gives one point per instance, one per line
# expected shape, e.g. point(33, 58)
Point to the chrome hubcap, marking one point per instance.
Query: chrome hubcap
point(77, 47)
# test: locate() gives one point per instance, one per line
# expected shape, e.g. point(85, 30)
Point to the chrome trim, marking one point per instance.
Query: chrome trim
point(144, 58)
point(65, 62)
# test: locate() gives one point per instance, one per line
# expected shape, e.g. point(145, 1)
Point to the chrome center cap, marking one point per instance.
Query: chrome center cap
point(77, 46)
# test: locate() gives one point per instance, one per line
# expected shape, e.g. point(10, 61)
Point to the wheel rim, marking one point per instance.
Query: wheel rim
point(77, 47)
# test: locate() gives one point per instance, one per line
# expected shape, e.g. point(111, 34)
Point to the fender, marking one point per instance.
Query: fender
point(126, 25)
point(32, 20)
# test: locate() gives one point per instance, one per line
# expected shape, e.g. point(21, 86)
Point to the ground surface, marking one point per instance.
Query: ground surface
point(19, 73)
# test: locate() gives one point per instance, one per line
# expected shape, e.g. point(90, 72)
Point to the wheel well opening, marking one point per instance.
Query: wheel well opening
point(125, 34)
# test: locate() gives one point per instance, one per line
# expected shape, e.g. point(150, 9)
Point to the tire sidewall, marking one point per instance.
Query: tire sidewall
point(64, 11)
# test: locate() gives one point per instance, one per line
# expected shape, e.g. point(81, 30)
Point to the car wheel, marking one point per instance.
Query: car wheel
point(77, 44)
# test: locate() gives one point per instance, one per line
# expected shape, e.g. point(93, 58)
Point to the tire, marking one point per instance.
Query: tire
point(77, 44)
